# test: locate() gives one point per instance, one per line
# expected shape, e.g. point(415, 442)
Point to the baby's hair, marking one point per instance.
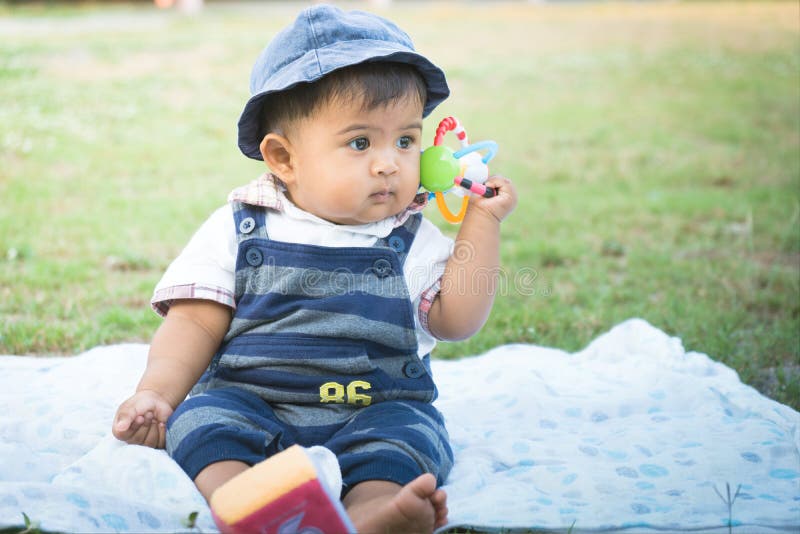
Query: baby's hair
point(374, 83)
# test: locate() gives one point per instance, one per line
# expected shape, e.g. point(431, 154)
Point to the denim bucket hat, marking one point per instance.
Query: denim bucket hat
point(321, 40)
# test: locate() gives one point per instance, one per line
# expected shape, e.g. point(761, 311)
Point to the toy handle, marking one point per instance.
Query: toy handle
point(451, 124)
point(449, 216)
point(491, 146)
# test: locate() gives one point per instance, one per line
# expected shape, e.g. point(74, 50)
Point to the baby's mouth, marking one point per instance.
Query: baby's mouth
point(382, 195)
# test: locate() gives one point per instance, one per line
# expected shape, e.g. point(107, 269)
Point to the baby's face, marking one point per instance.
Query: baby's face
point(353, 166)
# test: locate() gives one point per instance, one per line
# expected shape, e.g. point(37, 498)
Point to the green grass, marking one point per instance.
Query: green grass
point(655, 148)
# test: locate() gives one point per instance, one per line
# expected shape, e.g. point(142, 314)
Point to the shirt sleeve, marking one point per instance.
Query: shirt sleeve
point(205, 269)
point(424, 268)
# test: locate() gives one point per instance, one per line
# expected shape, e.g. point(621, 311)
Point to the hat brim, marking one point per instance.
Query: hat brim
point(317, 63)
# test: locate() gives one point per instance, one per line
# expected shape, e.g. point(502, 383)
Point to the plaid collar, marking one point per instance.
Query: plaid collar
point(267, 190)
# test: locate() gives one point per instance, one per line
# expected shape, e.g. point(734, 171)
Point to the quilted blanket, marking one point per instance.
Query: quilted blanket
point(631, 434)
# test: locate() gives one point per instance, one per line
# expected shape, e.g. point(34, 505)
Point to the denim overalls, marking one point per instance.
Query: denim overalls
point(321, 350)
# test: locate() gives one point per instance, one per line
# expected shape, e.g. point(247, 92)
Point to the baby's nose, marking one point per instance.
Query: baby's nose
point(384, 164)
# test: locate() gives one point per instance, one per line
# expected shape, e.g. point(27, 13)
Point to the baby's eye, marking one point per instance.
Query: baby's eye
point(360, 143)
point(405, 142)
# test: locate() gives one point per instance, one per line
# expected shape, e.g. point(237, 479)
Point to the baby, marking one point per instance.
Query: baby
point(304, 311)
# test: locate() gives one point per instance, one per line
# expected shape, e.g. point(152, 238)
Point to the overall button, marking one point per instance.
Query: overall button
point(382, 267)
point(247, 225)
point(253, 257)
point(413, 369)
point(397, 244)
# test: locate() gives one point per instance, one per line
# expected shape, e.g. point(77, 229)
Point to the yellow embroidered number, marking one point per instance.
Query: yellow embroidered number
point(335, 392)
point(331, 392)
point(354, 397)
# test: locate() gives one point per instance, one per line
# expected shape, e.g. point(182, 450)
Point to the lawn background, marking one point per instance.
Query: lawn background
point(655, 147)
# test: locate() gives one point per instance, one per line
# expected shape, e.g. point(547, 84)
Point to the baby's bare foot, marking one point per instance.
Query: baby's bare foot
point(378, 507)
point(439, 502)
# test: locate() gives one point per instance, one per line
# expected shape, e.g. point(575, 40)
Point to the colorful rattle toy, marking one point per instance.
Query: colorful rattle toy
point(442, 170)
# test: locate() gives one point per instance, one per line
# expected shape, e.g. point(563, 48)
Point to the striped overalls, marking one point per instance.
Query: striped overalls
point(321, 350)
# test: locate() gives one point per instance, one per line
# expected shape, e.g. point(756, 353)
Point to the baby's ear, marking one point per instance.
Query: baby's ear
point(275, 149)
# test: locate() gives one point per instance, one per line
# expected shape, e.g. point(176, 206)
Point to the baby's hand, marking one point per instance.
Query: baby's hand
point(502, 203)
point(142, 420)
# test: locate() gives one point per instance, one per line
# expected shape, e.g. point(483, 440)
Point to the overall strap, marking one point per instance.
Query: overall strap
point(249, 221)
point(401, 238)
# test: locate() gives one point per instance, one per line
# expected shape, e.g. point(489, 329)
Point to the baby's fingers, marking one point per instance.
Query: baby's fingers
point(130, 416)
point(139, 437)
point(124, 422)
point(501, 184)
point(162, 412)
point(503, 202)
point(157, 435)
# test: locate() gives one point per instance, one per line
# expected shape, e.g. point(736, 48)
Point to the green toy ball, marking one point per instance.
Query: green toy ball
point(438, 168)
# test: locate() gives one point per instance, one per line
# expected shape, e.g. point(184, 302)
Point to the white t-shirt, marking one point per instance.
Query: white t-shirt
point(206, 267)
